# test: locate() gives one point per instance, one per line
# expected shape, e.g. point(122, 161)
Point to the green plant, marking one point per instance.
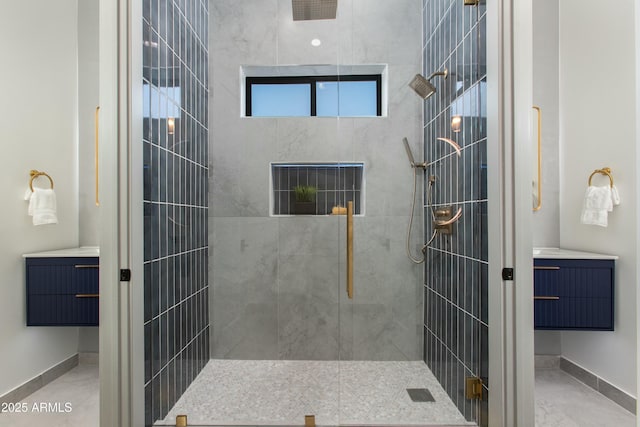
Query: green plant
point(305, 193)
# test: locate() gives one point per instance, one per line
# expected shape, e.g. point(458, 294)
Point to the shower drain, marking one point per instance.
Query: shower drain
point(420, 395)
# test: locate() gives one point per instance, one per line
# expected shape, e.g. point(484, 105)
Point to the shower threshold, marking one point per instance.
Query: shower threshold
point(339, 393)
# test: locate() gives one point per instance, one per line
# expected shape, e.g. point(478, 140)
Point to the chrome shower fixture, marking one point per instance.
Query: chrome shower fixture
point(412, 161)
point(423, 86)
point(305, 10)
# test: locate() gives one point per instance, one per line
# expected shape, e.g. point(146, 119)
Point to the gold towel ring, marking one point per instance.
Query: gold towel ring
point(34, 174)
point(603, 171)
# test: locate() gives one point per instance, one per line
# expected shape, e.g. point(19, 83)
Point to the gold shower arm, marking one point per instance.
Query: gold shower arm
point(539, 205)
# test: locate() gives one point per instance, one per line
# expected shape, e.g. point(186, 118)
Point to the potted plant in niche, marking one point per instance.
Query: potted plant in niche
point(305, 200)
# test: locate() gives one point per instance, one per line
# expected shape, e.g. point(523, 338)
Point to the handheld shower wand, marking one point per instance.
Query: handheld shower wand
point(414, 166)
point(412, 161)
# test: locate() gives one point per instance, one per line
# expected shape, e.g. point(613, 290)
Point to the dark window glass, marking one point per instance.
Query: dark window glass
point(326, 96)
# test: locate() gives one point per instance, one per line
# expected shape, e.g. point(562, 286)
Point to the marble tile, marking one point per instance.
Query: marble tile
point(308, 235)
point(240, 157)
point(374, 22)
point(231, 392)
point(244, 277)
point(563, 401)
point(243, 32)
point(308, 328)
point(312, 139)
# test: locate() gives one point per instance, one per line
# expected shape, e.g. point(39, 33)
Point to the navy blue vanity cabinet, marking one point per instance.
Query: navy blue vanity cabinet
point(573, 294)
point(62, 291)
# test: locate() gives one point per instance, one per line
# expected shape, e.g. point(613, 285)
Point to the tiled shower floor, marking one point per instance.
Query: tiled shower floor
point(265, 392)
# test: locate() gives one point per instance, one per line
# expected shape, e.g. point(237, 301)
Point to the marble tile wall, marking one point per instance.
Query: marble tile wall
point(455, 317)
point(278, 283)
point(175, 148)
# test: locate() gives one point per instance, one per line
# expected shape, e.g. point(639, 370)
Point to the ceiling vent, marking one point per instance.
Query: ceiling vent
point(304, 10)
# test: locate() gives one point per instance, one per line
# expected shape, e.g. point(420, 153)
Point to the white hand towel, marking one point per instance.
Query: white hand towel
point(598, 201)
point(615, 196)
point(599, 198)
point(42, 206)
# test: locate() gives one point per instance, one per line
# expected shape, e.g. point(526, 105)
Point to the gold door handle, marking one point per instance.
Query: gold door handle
point(539, 205)
point(350, 250)
point(87, 295)
point(97, 163)
point(87, 266)
point(544, 267)
point(545, 298)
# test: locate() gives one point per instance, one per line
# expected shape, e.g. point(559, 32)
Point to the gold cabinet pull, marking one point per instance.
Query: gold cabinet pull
point(546, 298)
point(544, 267)
point(97, 163)
point(350, 250)
point(87, 295)
point(87, 266)
point(539, 205)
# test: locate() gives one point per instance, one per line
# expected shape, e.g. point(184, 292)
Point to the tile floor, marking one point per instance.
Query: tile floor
point(249, 392)
point(561, 400)
point(72, 400)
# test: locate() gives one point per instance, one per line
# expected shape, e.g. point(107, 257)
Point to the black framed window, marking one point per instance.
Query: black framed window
point(323, 96)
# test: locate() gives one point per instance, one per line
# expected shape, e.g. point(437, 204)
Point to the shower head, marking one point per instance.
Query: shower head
point(423, 87)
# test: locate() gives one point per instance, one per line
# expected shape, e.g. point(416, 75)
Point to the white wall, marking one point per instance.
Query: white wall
point(38, 118)
point(545, 95)
point(88, 75)
point(88, 99)
point(546, 221)
point(597, 129)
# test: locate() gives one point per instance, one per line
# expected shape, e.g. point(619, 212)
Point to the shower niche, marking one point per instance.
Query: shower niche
point(316, 188)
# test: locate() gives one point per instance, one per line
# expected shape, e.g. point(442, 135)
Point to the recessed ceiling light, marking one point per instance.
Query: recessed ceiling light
point(316, 42)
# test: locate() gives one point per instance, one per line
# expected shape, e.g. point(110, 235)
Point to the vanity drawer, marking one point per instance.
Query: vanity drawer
point(63, 310)
point(62, 291)
point(573, 294)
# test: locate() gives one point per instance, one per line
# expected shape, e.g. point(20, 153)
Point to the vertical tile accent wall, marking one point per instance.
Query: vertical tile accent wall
point(176, 327)
point(455, 318)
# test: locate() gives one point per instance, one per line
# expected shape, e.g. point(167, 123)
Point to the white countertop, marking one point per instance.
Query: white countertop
point(83, 251)
point(559, 253)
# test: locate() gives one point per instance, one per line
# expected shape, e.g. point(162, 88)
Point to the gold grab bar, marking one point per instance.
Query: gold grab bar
point(603, 171)
point(542, 267)
point(87, 266)
point(546, 298)
point(87, 295)
point(350, 250)
point(539, 205)
point(97, 143)
point(34, 174)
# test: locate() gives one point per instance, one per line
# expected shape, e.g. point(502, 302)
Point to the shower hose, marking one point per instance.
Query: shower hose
point(413, 207)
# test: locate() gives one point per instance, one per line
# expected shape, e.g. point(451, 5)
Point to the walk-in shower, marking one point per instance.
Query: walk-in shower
point(277, 336)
